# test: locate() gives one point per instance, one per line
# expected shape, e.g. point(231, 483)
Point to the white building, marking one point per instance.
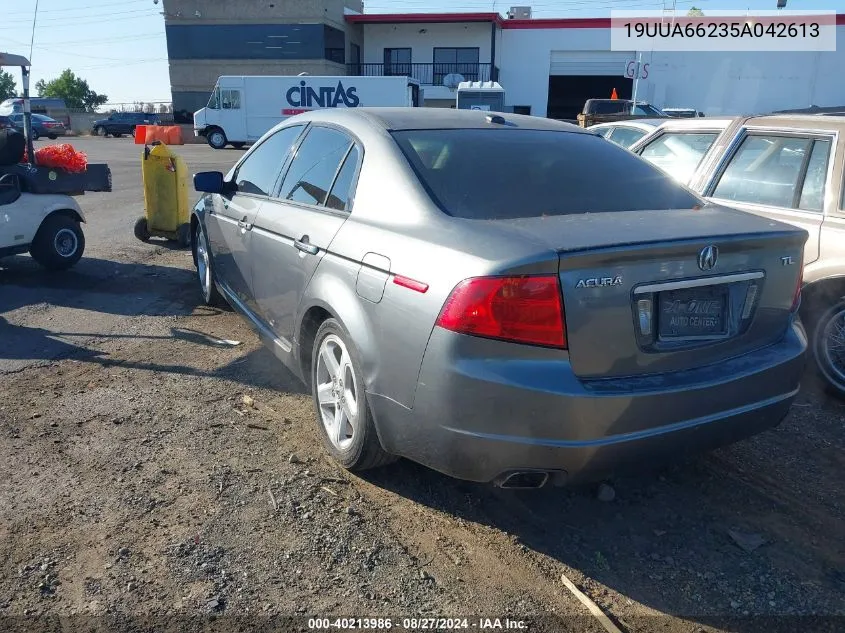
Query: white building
point(549, 67)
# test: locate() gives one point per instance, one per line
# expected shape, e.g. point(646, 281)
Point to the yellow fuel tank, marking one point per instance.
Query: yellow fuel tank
point(166, 207)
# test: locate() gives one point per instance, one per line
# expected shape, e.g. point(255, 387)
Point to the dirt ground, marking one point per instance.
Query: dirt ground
point(152, 472)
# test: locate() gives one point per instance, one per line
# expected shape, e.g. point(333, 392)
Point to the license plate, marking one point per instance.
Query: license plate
point(692, 313)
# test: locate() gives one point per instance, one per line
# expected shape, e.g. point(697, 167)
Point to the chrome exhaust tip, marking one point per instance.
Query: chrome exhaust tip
point(523, 479)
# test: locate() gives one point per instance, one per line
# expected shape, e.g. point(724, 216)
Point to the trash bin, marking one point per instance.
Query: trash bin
point(166, 207)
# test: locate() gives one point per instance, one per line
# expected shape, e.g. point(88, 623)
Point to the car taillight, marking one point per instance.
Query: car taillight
point(526, 309)
point(796, 297)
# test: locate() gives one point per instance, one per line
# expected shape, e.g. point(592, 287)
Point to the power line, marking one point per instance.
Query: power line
point(92, 6)
point(32, 38)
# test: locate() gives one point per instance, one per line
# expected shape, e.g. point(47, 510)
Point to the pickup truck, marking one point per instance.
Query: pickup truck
point(607, 110)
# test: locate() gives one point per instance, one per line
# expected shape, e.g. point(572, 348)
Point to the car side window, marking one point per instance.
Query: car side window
point(765, 170)
point(313, 169)
point(626, 136)
point(813, 188)
point(343, 191)
point(258, 172)
point(231, 99)
point(679, 153)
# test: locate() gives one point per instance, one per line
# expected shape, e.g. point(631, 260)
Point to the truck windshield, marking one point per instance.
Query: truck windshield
point(214, 100)
point(498, 174)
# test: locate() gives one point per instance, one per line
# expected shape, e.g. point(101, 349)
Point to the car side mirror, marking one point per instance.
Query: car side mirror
point(209, 182)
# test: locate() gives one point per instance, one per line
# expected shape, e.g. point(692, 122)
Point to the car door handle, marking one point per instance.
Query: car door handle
point(243, 225)
point(303, 245)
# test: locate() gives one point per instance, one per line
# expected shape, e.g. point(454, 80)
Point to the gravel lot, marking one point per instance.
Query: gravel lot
point(149, 471)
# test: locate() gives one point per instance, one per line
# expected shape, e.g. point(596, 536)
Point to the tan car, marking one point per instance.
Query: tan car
point(785, 167)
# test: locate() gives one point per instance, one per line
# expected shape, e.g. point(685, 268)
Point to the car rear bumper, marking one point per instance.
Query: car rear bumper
point(480, 413)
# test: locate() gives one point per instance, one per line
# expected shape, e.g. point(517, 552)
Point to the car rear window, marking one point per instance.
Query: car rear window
point(511, 173)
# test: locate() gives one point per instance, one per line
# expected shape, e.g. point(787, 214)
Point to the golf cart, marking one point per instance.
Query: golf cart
point(37, 211)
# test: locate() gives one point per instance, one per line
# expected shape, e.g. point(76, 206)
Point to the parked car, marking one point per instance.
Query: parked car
point(48, 106)
point(120, 123)
point(42, 125)
point(626, 133)
point(678, 146)
point(6, 123)
point(788, 168)
point(503, 298)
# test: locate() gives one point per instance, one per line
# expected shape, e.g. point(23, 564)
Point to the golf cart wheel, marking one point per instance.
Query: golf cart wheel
point(183, 235)
point(59, 243)
point(142, 230)
point(216, 138)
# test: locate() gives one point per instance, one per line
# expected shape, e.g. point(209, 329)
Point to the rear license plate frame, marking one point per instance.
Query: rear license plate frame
point(687, 295)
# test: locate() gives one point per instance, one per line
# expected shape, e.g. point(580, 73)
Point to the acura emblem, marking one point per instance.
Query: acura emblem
point(707, 257)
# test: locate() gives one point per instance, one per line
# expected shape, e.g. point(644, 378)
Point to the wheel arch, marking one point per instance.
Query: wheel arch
point(346, 307)
point(74, 214)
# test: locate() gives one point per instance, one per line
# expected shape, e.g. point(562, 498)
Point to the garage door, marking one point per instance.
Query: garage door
point(589, 62)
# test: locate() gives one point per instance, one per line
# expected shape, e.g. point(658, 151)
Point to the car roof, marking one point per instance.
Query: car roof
point(803, 121)
point(397, 119)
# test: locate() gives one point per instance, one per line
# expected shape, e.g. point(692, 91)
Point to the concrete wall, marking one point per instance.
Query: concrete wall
point(713, 82)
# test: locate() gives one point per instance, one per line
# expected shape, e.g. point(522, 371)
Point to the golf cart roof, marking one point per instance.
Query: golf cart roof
point(7, 59)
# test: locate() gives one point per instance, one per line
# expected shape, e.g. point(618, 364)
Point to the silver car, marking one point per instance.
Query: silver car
point(502, 298)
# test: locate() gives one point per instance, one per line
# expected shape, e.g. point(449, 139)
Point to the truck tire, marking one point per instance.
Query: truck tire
point(216, 138)
point(59, 243)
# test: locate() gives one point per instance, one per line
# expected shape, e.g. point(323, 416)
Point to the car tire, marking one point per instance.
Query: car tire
point(183, 235)
point(828, 336)
point(343, 415)
point(216, 138)
point(142, 229)
point(117, 135)
point(205, 270)
point(100, 131)
point(59, 243)
point(35, 135)
point(52, 137)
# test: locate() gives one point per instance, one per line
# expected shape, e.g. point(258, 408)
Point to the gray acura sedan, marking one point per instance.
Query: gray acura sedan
point(503, 298)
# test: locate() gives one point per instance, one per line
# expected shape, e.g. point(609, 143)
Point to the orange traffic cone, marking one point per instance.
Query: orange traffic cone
point(613, 94)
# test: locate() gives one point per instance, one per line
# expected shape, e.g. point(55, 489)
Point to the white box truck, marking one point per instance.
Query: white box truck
point(242, 109)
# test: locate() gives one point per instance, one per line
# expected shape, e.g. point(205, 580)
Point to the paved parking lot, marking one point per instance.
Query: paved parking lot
point(151, 469)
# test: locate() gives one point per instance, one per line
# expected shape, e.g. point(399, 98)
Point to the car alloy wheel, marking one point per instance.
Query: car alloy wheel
point(338, 392)
point(203, 267)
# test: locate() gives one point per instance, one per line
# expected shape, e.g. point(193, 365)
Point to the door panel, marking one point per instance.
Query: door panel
point(294, 232)
point(288, 243)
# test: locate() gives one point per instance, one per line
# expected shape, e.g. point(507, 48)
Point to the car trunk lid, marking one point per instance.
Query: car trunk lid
point(658, 291)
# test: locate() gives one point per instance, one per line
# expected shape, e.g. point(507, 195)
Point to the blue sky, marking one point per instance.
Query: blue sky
point(119, 45)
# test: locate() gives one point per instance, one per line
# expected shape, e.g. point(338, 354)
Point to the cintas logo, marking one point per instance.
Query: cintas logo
point(304, 96)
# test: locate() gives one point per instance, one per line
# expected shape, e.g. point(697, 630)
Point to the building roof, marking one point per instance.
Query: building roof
point(533, 23)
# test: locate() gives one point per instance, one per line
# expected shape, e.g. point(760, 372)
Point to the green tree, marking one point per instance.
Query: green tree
point(8, 88)
point(695, 12)
point(75, 91)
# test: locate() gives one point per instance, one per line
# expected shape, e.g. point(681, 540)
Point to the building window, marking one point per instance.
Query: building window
point(397, 61)
point(334, 44)
point(463, 61)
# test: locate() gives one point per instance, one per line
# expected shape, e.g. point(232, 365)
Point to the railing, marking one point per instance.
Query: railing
point(426, 74)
